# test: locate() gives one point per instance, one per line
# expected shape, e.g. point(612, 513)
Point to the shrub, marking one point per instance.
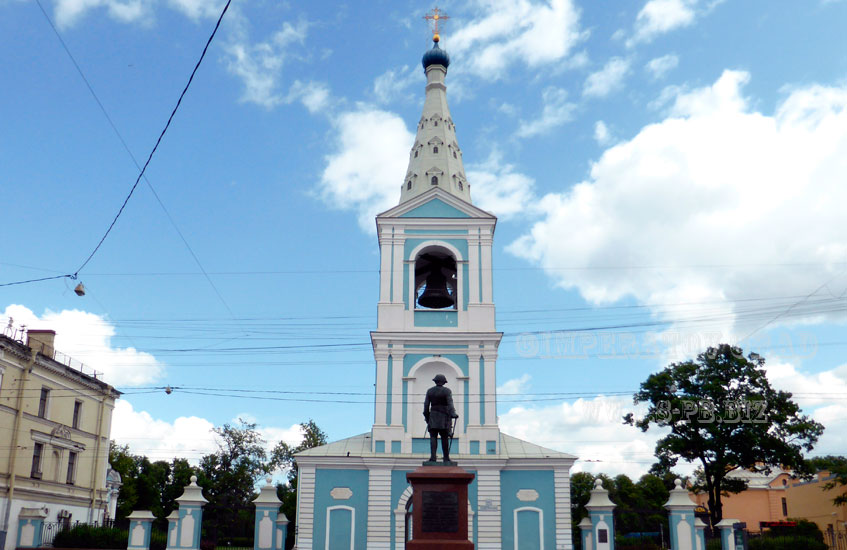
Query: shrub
point(786, 543)
point(90, 536)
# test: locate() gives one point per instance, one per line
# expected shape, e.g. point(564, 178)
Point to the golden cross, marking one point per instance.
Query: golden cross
point(436, 16)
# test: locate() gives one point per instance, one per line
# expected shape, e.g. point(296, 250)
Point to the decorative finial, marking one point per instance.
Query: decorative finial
point(436, 16)
point(269, 479)
point(677, 484)
point(598, 483)
point(194, 480)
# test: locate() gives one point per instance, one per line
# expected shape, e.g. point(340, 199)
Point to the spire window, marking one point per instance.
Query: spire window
point(435, 149)
point(434, 180)
point(461, 187)
point(408, 184)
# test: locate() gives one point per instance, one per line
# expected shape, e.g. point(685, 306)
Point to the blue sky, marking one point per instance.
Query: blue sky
point(666, 173)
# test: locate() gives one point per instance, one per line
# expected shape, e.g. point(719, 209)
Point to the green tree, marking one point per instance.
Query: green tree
point(125, 463)
point(228, 477)
point(282, 456)
point(722, 412)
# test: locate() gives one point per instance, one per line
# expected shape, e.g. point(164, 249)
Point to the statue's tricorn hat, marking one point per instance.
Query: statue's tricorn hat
point(440, 378)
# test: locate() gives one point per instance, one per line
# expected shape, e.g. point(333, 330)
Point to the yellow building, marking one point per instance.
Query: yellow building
point(765, 499)
point(777, 497)
point(55, 420)
point(809, 500)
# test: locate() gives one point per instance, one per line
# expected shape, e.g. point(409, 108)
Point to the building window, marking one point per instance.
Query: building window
point(454, 155)
point(461, 187)
point(42, 403)
point(435, 123)
point(71, 468)
point(416, 153)
point(435, 149)
point(77, 414)
point(409, 184)
point(37, 451)
point(784, 507)
point(434, 180)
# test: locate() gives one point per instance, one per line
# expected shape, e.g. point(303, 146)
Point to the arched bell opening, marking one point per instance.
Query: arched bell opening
point(435, 279)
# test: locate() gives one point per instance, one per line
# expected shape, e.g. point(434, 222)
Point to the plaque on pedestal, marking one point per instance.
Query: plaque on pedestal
point(439, 508)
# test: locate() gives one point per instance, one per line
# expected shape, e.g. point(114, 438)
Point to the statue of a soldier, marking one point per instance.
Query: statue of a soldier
point(439, 413)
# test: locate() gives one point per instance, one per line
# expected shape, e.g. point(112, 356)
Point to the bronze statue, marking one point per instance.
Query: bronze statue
point(439, 413)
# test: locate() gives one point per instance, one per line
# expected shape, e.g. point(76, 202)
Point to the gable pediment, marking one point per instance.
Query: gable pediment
point(436, 203)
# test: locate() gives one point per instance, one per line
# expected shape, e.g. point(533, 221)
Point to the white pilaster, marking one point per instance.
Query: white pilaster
point(490, 360)
point(379, 508)
point(562, 486)
point(381, 387)
point(488, 509)
point(485, 266)
point(305, 508)
point(473, 396)
point(396, 391)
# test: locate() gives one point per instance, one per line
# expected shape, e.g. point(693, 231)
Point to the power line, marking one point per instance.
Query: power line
point(158, 141)
point(131, 155)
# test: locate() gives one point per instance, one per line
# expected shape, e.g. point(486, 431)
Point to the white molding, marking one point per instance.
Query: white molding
point(540, 523)
point(352, 524)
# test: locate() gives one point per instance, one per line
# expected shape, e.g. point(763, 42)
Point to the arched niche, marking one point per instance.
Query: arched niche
point(419, 380)
point(437, 264)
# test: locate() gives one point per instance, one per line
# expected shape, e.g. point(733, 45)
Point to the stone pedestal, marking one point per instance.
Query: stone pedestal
point(681, 522)
point(439, 508)
point(140, 525)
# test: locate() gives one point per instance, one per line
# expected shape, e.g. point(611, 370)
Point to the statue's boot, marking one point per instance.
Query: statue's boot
point(445, 448)
point(433, 448)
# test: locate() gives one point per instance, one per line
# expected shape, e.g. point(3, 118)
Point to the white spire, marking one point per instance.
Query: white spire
point(435, 158)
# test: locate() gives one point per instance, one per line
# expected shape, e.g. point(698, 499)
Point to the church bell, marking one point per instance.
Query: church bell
point(436, 295)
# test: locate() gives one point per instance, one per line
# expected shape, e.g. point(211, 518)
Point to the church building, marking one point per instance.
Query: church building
point(435, 316)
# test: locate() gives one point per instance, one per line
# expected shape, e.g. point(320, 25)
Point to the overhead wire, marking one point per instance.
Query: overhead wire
point(143, 168)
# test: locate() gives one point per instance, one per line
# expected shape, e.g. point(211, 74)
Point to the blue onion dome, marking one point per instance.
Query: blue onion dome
point(435, 56)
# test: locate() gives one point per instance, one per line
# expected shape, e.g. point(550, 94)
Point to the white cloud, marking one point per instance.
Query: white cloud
point(199, 9)
point(601, 133)
point(68, 12)
point(371, 155)
point(507, 32)
point(556, 111)
point(259, 65)
point(608, 79)
point(662, 16)
point(314, 96)
point(366, 170)
point(499, 189)
point(392, 84)
point(591, 429)
point(87, 337)
point(659, 66)
point(714, 183)
point(188, 437)
point(515, 386)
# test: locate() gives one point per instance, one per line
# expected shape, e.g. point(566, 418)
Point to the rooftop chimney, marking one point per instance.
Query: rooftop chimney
point(41, 341)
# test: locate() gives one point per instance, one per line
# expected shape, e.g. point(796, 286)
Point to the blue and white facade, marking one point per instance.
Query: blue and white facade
point(353, 494)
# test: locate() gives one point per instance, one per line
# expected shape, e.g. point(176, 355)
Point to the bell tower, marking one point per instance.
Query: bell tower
point(436, 310)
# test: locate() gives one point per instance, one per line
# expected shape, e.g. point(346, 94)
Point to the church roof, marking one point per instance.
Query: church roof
point(360, 445)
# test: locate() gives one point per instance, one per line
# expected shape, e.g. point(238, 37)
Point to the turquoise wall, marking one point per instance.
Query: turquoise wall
point(435, 208)
point(325, 481)
point(512, 481)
